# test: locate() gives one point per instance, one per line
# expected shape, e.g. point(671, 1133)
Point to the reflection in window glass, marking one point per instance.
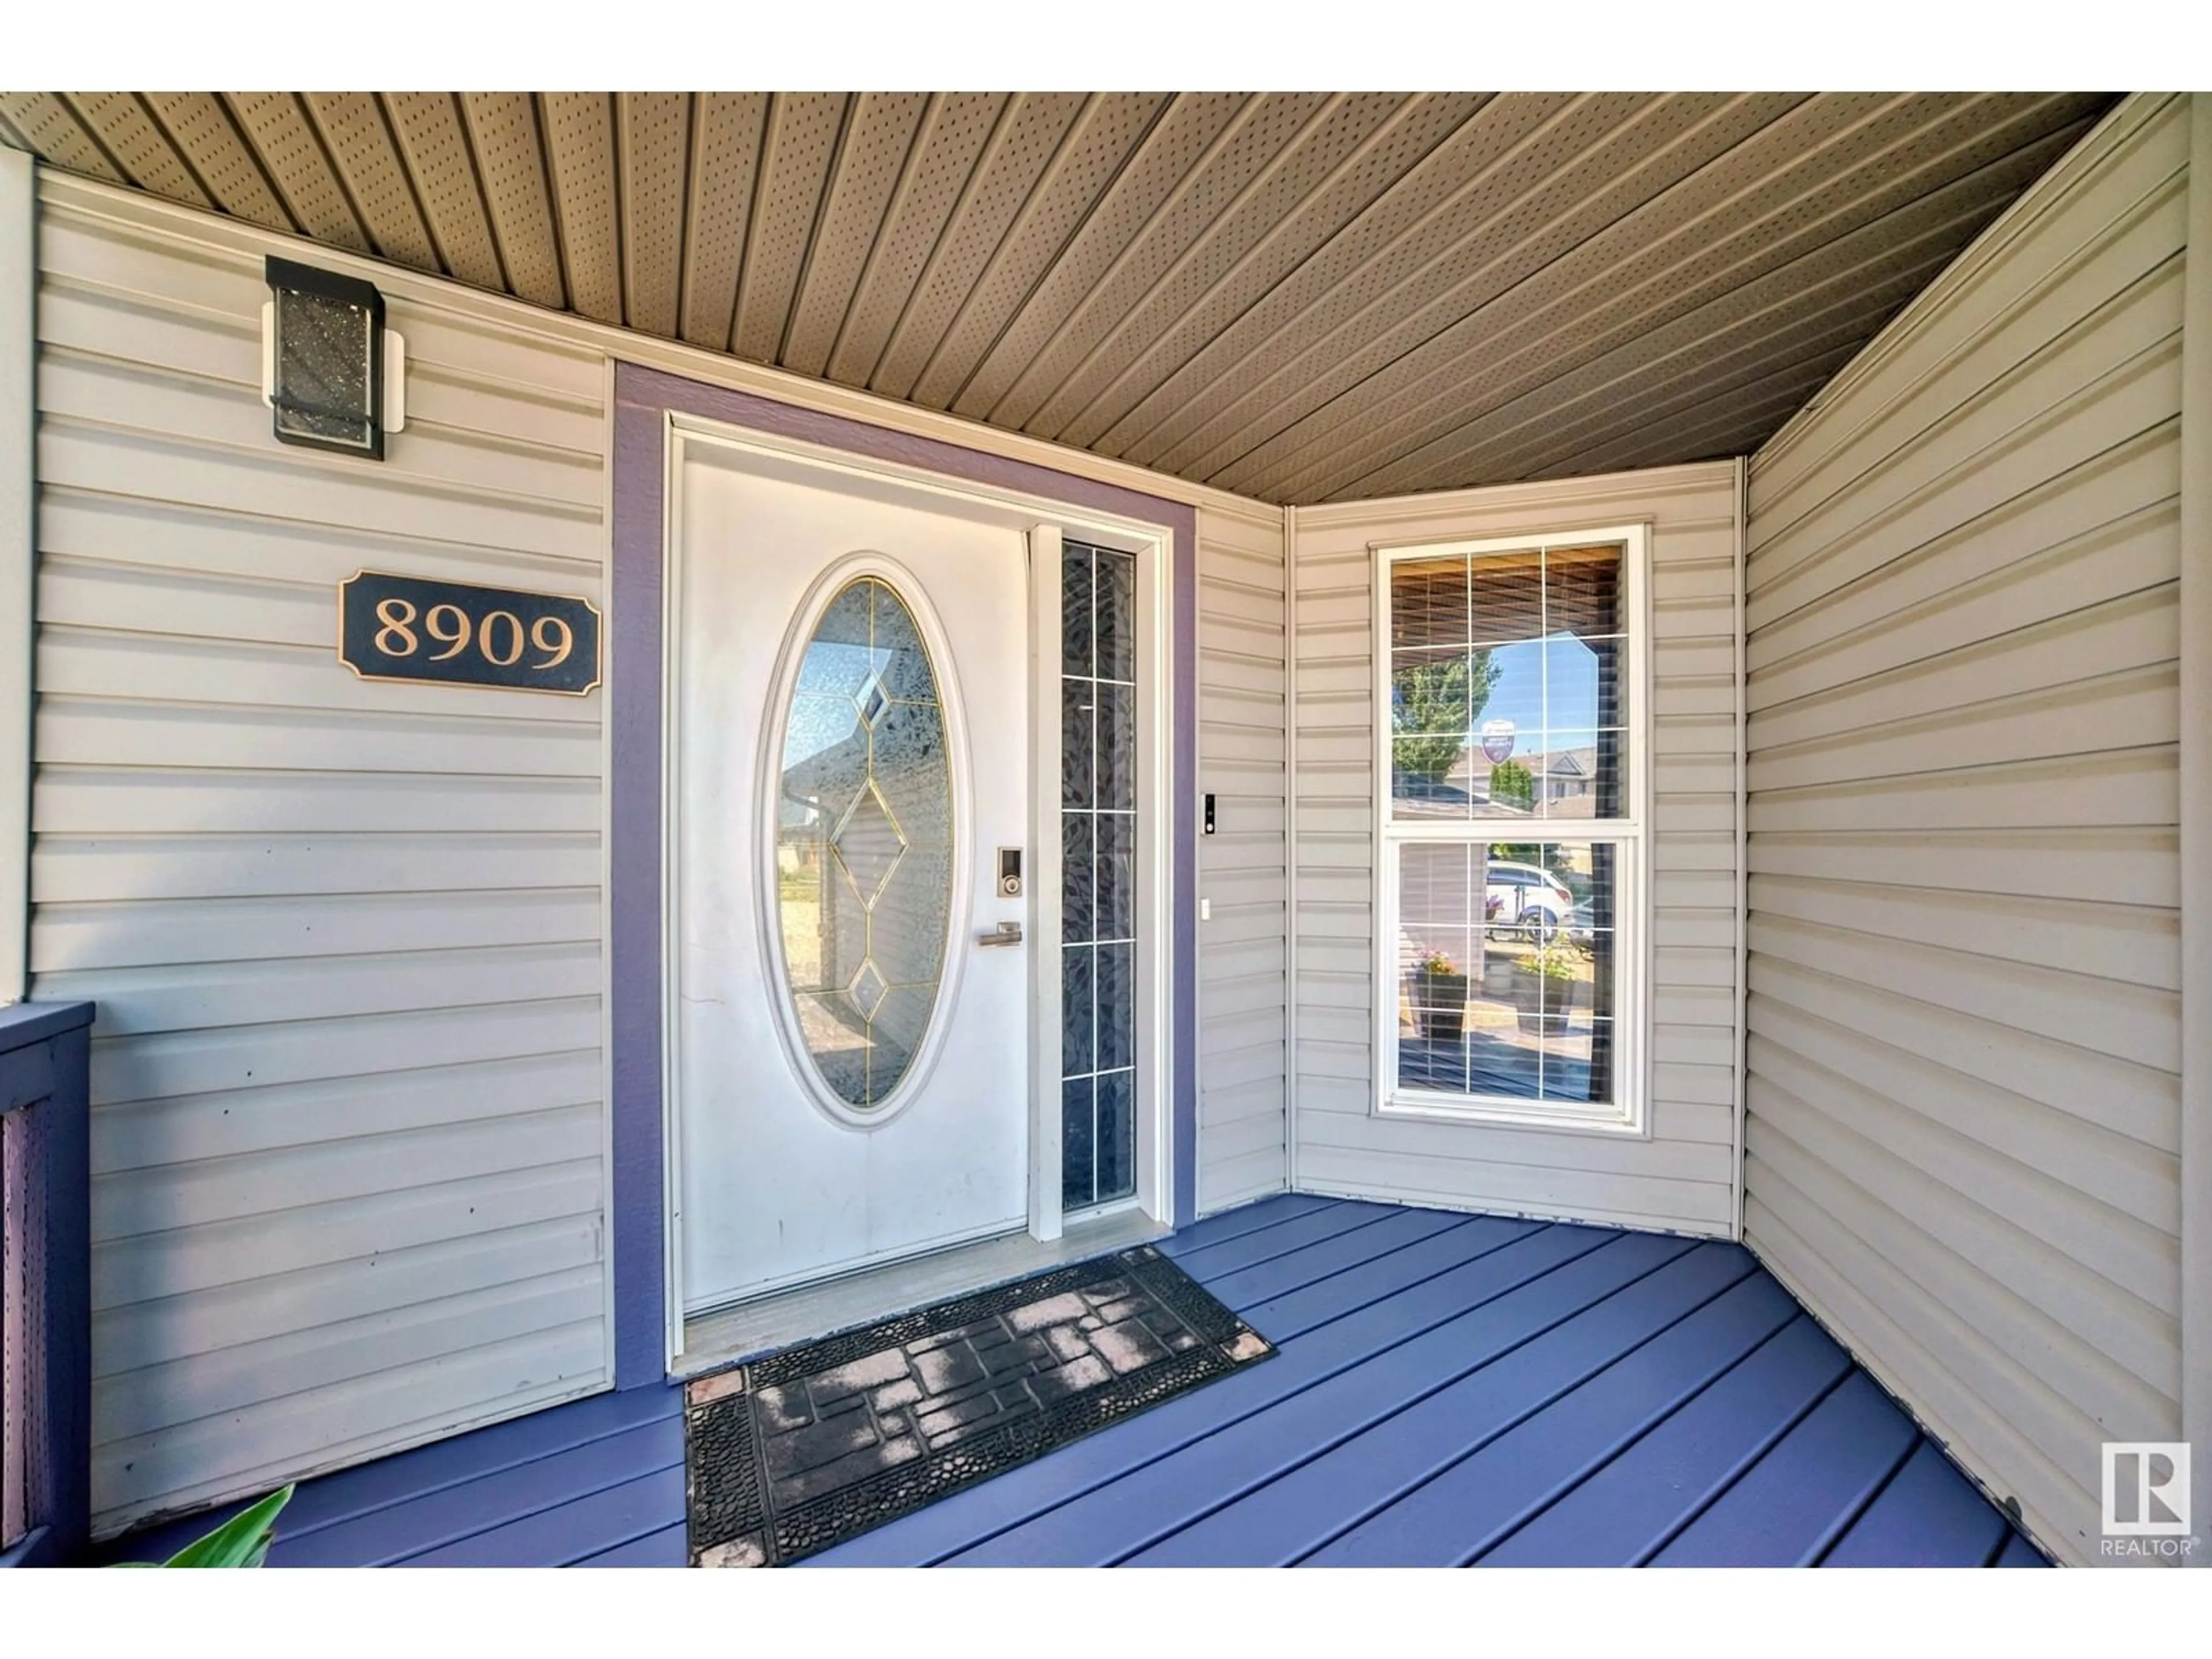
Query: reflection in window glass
point(1506, 968)
point(864, 844)
point(1506, 690)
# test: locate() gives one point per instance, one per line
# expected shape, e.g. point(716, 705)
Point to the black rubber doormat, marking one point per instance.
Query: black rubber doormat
point(792, 1453)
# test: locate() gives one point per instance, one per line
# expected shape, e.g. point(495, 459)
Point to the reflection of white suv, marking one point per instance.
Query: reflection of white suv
point(1521, 896)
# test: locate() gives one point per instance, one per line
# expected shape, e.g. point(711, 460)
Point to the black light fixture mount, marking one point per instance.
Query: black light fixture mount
point(328, 360)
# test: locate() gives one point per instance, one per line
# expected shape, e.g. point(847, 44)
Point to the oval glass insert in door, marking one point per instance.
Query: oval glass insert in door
point(864, 844)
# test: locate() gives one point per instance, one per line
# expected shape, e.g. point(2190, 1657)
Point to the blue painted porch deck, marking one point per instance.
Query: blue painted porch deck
point(1450, 1390)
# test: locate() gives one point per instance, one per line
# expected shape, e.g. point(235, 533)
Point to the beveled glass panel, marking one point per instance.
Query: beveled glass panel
point(839, 659)
point(868, 844)
point(825, 751)
point(864, 867)
point(900, 661)
point(906, 932)
point(836, 1040)
point(843, 935)
point(906, 757)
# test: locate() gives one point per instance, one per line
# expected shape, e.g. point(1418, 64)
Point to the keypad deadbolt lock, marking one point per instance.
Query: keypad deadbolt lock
point(1009, 872)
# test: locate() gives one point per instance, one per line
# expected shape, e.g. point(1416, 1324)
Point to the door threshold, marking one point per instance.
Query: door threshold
point(808, 1314)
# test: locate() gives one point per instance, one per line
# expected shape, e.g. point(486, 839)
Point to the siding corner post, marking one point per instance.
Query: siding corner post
point(2195, 767)
point(1289, 849)
point(1743, 1057)
point(18, 493)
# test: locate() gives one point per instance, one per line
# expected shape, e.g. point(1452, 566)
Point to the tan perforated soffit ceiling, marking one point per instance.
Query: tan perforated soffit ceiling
point(1302, 296)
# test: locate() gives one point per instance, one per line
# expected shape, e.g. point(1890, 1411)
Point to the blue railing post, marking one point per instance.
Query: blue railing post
point(46, 1284)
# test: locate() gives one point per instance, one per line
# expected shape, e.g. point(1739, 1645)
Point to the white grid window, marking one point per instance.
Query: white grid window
point(1513, 703)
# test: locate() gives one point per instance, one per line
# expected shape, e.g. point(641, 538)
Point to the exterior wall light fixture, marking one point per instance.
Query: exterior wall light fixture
point(333, 375)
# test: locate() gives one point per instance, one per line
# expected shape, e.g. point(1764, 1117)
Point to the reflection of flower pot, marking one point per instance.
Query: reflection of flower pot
point(1543, 1004)
point(1440, 1004)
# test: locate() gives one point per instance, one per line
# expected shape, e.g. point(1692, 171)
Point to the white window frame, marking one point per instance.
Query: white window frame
point(1627, 1113)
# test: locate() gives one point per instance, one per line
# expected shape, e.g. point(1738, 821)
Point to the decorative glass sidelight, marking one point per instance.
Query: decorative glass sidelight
point(863, 843)
point(1098, 899)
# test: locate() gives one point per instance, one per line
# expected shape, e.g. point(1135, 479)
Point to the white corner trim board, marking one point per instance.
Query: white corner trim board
point(2195, 763)
point(18, 348)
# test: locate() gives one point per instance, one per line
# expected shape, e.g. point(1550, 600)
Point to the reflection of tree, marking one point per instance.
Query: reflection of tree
point(1434, 705)
point(1511, 783)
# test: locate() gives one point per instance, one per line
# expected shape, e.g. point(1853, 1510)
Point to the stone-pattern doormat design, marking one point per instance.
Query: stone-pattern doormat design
point(792, 1453)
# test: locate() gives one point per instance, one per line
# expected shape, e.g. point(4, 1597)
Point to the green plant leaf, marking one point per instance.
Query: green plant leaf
point(242, 1541)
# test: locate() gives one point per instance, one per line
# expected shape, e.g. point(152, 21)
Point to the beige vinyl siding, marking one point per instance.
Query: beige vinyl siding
point(1682, 1177)
point(348, 1107)
point(1244, 947)
point(1964, 1013)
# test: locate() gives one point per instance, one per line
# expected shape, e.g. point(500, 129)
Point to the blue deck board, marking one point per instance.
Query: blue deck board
point(1478, 1497)
point(332, 1500)
point(1293, 1313)
point(574, 1531)
point(1928, 1516)
point(667, 1547)
point(1447, 1388)
point(2019, 1552)
point(1215, 1261)
point(1574, 1332)
point(1789, 1505)
point(1249, 1217)
point(1279, 1276)
point(1622, 1513)
point(405, 1530)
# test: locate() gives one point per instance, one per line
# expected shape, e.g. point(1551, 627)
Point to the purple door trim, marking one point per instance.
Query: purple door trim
point(643, 397)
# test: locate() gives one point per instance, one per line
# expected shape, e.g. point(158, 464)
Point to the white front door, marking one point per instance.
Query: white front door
point(849, 676)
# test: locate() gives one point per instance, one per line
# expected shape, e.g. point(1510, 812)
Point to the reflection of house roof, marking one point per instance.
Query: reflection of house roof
point(845, 761)
point(804, 782)
point(1563, 764)
point(1557, 763)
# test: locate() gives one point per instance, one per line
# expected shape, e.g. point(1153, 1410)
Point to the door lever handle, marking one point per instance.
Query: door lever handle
point(1006, 933)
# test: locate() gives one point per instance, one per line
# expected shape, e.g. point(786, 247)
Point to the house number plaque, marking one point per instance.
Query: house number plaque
point(410, 627)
